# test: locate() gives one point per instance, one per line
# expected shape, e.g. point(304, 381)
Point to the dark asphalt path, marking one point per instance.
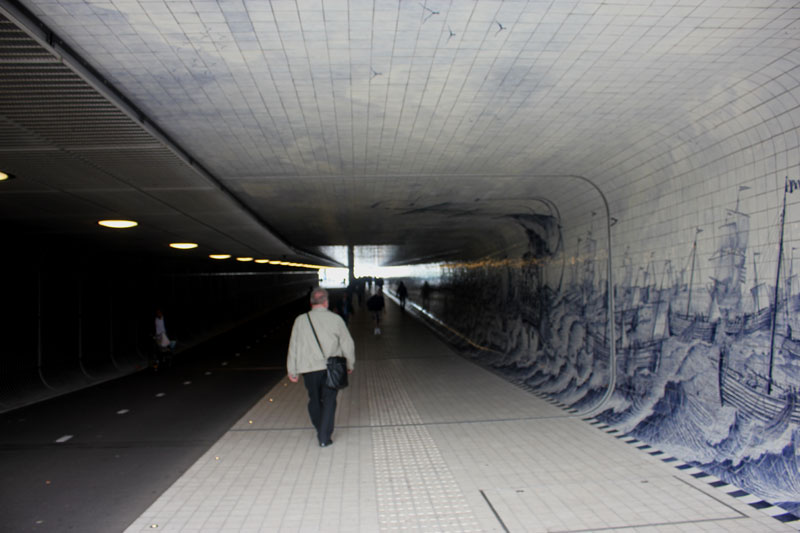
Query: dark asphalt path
point(131, 438)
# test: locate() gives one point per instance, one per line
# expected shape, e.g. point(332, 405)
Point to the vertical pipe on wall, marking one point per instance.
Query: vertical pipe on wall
point(612, 336)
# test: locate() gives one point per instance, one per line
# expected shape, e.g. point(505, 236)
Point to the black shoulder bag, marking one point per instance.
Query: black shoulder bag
point(337, 366)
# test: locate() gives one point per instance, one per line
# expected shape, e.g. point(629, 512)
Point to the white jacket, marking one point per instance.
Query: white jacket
point(304, 352)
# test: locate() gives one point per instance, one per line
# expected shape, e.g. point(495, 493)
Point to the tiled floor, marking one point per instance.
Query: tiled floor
point(427, 441)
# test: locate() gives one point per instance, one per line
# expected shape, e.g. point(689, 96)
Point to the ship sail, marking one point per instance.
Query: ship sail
point(689, 325)
point(729, 260)
point(661, 321)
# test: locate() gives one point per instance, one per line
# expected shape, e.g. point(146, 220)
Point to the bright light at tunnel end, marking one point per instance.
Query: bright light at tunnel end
point(332, 278)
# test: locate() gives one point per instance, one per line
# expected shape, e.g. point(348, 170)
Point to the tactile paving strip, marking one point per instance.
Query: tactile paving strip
point(415, 488)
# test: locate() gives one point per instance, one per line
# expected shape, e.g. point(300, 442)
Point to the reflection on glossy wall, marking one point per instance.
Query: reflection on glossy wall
point(707, 331)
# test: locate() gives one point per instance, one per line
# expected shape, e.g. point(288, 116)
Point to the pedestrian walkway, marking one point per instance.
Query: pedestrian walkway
point(426, 440)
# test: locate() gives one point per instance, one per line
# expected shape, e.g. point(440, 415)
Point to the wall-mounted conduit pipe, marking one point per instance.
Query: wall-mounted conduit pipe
point(612, 336)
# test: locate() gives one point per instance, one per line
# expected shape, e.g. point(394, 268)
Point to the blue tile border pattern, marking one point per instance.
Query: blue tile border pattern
point(772, 510)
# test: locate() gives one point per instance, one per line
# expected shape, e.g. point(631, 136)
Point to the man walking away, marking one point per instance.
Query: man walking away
point(402, 293)
point(317, 335)
point(376, 304)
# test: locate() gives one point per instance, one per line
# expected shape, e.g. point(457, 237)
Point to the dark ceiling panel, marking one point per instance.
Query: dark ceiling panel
point(80, 154)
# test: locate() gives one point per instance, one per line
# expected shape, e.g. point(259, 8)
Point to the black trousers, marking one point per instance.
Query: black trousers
point(321, 404)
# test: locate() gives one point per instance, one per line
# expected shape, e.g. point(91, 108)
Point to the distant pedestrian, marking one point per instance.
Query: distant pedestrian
point(376, 305)
point(402, 294)
point(343, 309)
point(165, 347)
point(161, 337)
point(426, 295)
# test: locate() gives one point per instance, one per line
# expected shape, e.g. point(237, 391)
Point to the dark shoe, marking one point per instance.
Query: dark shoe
point(325, 444)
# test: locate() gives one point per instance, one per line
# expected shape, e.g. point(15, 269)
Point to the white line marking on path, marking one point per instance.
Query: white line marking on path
point(123, 411)
point(161, 395)
point(187, 382)
point(65, 438)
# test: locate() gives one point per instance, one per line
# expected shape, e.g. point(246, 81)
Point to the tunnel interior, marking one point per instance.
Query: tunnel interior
point(610, 195)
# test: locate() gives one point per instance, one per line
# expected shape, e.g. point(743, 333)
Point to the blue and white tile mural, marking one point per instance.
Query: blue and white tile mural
point(707, 342)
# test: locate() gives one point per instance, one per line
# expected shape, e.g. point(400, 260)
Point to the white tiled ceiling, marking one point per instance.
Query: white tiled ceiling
point(318, 113)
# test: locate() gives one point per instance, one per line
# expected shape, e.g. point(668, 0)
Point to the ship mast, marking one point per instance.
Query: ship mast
point(791, 275)
point(755, 284)
point(788, 289)
point(658, 314)
point(775, 298)
point(691, 276)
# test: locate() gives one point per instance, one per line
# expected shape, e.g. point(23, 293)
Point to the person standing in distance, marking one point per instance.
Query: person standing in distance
point(402, 293)
point(317, 335)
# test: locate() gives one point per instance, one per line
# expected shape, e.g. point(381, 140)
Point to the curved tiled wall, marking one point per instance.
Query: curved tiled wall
point(707, 322)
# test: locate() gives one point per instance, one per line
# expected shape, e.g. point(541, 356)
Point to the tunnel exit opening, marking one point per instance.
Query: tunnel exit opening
point(369, 261)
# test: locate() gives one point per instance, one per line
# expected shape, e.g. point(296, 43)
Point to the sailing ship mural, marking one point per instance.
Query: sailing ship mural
point(708, 353)
point(760, 384)
point(690, 324)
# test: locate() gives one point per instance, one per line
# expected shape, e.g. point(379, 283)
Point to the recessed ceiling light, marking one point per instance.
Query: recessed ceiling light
point(118, 224)
point(220, 256)
point(4, 176)
point(262, 260)
point(183, 245)
point(244, 259)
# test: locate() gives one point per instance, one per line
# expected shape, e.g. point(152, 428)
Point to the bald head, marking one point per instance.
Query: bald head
point(319, 296)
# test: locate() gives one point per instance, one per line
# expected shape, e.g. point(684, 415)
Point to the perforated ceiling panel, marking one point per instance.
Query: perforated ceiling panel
point(80, 158)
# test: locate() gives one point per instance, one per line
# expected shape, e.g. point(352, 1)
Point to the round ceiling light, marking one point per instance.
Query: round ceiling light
point(244, 259)
point(262, 261)
point(118, 224)
point(183, 245)
point(220, 256)
point(5, 176)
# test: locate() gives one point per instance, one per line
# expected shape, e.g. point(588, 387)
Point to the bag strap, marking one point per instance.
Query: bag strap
point(308, 316)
